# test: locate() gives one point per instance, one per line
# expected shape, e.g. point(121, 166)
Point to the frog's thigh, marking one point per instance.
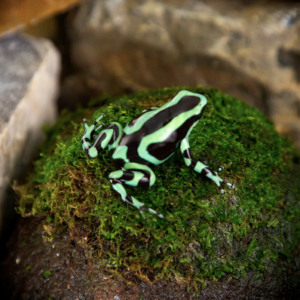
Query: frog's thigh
point(139, 175)
point(135, 174)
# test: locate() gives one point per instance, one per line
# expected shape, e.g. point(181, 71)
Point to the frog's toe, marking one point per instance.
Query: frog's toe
point(100, 126)
point(98, 119)
point(150, 210)
point(221, 169)
point(231, 185)
point(85, 124)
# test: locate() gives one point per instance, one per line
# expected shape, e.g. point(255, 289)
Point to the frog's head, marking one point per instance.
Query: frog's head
point(201, 111)
point(191, 101)
point(196, 104)
point(200, 106)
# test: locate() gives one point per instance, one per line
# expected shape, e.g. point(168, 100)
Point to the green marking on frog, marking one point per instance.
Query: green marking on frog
point(93, 152)
point(120, 153)
point(200, 166)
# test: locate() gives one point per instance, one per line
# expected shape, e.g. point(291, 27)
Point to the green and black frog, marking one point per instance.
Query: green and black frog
point(148, 140)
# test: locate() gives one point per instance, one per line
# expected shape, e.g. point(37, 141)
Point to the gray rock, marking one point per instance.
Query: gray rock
point(247, 49)
point(28, 90)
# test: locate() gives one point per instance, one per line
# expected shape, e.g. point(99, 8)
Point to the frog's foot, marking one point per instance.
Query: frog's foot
point(221, 168)
point(200, 167)
point(118, 186)
point(90, 130)
point(133, 174)
point(231, 185)
point(215, 177)
point(95, 122)
point(89, 134)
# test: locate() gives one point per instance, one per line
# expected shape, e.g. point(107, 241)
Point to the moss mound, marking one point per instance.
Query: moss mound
point(205, 234)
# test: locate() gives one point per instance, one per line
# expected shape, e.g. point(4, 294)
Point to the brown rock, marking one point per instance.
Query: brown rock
point(37, 267)
point(249, 50)
point(15, 15)
point(28, 89)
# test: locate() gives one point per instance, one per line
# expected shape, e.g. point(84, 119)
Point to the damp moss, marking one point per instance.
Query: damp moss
point(205, 234)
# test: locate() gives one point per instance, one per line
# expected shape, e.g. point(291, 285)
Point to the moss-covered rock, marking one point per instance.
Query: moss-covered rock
point(205, 235)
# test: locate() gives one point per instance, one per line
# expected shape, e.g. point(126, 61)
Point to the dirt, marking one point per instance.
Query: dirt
point(37, 267)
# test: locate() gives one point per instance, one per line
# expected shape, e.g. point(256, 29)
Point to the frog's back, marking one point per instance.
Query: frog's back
point(153, 136)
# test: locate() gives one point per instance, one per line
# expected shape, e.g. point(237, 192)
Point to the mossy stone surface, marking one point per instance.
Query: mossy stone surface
point(205, 235)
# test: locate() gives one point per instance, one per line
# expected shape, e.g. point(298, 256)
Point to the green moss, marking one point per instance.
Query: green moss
point(47, 273)
point(204, 234)
point(27, 269)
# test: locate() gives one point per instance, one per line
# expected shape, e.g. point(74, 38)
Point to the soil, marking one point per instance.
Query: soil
point(38, 268)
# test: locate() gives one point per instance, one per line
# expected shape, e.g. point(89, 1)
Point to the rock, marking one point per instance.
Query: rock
point(242, 244)
point(249, 50)
point(14, 16)
point(72, 275)
point(28, 90)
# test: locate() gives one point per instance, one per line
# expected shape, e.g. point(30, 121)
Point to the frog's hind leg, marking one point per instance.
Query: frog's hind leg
point(134, 174)
point(200, 167)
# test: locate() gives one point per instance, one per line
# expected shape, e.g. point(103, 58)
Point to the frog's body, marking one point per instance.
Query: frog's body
point(149, 139)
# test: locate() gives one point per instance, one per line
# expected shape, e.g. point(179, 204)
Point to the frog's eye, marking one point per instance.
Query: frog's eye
point(201, 113)
point(199, 116)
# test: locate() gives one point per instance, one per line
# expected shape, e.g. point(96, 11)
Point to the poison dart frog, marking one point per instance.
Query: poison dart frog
point(148, 140)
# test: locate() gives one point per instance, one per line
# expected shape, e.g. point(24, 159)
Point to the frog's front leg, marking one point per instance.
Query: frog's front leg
point(109, 137)
point(199, 166)
point(133, 174)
